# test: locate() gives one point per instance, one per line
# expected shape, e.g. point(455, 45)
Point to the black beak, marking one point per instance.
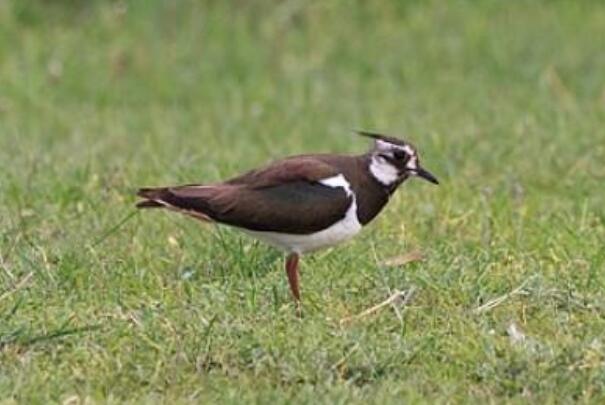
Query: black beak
point(425, 174)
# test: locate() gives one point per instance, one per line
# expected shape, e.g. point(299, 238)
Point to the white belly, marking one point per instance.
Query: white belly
point(339, 232)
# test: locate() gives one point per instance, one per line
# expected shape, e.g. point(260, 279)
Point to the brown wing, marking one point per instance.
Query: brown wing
point(285, 197)
point(298, 168)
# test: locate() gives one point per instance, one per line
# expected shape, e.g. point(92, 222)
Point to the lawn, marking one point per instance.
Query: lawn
point(100, 303)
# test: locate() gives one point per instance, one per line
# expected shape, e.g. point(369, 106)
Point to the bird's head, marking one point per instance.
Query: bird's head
point(393, 160)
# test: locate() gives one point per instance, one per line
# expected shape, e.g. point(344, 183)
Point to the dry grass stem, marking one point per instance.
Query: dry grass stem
point(414, 256)
point(399, 298)
point(491, 304)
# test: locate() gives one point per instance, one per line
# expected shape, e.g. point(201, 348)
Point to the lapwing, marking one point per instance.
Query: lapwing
point(302, 203)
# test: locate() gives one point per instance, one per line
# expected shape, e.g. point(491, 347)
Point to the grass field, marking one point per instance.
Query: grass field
point(99, 303)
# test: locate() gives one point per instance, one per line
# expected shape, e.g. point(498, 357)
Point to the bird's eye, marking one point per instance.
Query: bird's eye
point(399, 154)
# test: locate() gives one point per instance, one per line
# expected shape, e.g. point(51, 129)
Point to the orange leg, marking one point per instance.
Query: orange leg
point(292, 271)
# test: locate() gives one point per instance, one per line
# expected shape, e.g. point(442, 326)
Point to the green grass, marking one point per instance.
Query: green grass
point(505, 100)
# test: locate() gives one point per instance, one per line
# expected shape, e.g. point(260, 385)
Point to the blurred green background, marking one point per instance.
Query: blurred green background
point(504, 100)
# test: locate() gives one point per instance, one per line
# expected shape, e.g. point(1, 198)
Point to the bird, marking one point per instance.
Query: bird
point(300, 204)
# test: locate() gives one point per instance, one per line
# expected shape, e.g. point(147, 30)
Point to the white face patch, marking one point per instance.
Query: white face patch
point(387, 147)
point(412, 163)
point(387, 172)
point(383, 171)
point(383, 146)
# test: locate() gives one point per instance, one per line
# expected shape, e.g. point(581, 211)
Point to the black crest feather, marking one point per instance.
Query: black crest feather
point(381, 137)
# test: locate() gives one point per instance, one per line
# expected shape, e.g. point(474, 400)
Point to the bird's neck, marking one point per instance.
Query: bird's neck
point(371, 196)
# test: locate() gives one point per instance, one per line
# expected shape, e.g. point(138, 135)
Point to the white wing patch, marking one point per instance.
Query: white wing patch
point(337, 181)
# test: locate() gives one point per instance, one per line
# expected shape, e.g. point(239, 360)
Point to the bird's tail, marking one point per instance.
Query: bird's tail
point(163, 197)
point(152, 197)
